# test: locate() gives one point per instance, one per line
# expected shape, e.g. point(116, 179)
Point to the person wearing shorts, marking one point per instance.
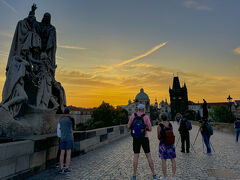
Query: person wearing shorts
point(166, 151)
point(141, 142)
point(66, 141)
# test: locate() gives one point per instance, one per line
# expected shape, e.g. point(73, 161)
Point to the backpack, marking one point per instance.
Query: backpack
point(183, 126)
point(209, 129)
point(189, 125)
point(138, 126)
point(168, 135)
point(237, 124)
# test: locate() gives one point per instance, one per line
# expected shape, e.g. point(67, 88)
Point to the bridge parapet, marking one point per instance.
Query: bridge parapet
point(25, 157)
point(85, 141)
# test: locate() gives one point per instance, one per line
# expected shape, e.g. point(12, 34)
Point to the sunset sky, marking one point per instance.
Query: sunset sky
point(109, 49)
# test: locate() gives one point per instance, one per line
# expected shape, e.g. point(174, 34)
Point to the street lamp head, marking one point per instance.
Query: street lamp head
point(229, 98)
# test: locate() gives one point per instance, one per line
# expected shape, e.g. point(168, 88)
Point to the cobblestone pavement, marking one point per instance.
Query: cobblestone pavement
point(114, 161)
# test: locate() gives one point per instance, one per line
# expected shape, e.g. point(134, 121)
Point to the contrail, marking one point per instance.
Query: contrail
point(108, 68)
point(143, 55)
point(71, 47)
point(9, 6)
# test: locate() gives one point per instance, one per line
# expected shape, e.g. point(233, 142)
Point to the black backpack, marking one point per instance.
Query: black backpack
point(183, 126)
point(138, 128)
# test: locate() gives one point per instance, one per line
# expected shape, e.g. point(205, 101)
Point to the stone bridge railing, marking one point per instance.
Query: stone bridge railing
point(24, 158)
point(223, 127)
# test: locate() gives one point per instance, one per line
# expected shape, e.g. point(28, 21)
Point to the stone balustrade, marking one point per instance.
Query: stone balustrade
point(223, 127)
point(24, 158)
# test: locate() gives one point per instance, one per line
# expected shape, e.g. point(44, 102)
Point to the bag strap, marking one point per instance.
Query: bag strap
point(162, 127)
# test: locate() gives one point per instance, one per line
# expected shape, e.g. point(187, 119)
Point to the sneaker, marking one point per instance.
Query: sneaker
point(57, 165)
point(67, 170)
point(61, 171)
point(155, 177)
point(173, 178)
point(133, 178)
point(162, 178)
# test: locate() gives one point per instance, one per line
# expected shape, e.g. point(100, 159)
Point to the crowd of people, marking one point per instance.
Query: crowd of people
point(139, 125)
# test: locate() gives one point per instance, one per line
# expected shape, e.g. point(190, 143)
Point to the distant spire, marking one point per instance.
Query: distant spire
point(129, 101)
point(176, 83)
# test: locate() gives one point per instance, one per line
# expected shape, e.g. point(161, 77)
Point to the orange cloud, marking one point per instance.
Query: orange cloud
point(237, 50)
point(117, 86)
point(89, 89)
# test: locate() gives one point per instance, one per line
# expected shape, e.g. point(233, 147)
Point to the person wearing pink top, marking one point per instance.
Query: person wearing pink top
point(143, 141)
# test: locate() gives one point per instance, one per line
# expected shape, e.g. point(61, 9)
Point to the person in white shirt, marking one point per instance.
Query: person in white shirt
point(59, 136)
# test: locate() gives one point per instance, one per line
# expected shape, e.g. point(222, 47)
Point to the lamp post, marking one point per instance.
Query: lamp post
point(230, 104)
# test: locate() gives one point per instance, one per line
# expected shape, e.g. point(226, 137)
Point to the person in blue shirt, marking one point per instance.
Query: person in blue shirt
point(67, 125)
point(237, 128)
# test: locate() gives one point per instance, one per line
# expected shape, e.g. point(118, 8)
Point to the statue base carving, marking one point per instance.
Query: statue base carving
point(34, 122)
point(10, 127)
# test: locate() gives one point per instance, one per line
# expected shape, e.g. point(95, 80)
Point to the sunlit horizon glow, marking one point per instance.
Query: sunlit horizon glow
point(107, 51)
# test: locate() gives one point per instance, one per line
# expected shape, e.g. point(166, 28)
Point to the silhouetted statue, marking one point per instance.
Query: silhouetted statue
point(48, 37)
point(205, 109)
point(14, 95)
point(33, 46)
point(31, 96)
point(44, 92)
point(25, 37)
point(198, 116)
point(59, 92)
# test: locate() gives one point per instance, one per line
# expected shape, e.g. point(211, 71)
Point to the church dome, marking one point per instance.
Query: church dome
point(162, 102)
point(142, 95)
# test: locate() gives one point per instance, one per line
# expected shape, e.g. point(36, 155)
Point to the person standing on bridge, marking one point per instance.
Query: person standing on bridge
point(67, 125)
point(237, 127)
point(139, 124)
point(184, 127)
point(206, 131)
point(178, 117)
point(166, 146)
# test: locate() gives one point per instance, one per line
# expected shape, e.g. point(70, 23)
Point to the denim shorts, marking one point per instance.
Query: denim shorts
point(66, 145)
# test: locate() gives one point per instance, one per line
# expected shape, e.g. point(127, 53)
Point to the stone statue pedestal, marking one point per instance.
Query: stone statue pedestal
point(34, 122)
point(10, 127)
point(41, 121)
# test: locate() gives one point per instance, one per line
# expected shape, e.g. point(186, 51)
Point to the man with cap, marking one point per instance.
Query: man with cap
point(141, 139)
point(66, 140)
